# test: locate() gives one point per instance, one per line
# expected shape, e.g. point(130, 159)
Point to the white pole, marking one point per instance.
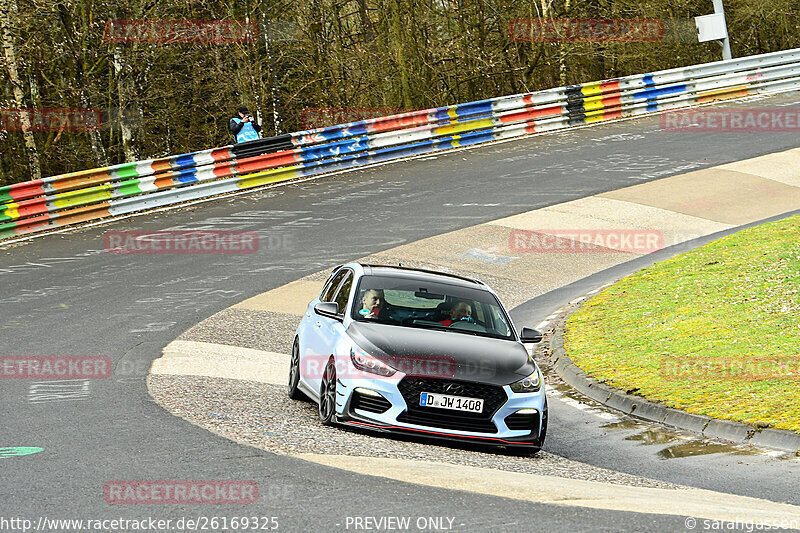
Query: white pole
point(726, 42)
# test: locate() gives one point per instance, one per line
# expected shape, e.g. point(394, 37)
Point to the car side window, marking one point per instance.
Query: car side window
point(344, 293)
point(499, 325)
point(479, 314)
point(330, 288)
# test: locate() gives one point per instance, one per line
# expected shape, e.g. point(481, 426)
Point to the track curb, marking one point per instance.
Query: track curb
point(639, 407)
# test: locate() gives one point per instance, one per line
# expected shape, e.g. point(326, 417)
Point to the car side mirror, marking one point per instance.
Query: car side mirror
point(327, 309)
point(530, 335)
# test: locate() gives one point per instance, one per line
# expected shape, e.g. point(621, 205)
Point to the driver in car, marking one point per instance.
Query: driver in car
point(459, 311)
point(371, 303)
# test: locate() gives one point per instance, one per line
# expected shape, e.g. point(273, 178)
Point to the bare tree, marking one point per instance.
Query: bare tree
point(9, 19)
point(78, 50)
point(125, 108)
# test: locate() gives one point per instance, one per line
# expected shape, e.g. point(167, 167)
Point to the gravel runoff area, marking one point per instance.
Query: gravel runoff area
point(257, 330)
point(262, 416)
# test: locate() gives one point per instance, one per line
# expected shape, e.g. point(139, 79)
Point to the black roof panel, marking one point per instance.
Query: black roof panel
point(420, 274)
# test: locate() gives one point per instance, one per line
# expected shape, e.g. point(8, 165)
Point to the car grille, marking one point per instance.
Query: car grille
point(411, 388)
point(526, 421)
point(369, 403)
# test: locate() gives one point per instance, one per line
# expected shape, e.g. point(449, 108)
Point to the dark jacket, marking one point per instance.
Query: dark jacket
point(236, 128)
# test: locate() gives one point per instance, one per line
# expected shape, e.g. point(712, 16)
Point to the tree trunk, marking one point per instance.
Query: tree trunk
point(399, 45)
point(369, 34)
point(83, 95)
point(271, 77)
point(8, 19)
point(563, 50)
point(123, 93)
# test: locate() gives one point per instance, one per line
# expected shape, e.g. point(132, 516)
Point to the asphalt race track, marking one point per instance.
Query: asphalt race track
point(62, 294)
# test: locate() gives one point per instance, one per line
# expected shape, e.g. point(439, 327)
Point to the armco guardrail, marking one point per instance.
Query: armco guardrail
point(122, 189)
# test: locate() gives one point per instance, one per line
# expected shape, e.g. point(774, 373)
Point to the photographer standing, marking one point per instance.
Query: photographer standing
point(244, 127)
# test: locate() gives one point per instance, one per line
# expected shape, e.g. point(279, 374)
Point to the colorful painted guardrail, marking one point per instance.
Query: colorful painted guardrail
point(127, 188)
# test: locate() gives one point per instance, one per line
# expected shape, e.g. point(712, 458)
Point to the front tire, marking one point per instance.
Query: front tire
point(327, 395)
point(543, 432)
point(294, 373)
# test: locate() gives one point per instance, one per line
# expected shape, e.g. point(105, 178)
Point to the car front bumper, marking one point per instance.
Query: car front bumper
point(532, 404)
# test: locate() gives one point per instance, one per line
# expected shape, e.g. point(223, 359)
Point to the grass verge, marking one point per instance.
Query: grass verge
point(714, 331)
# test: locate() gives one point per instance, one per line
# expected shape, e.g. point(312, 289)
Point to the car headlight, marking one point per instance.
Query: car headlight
point(366, 363)
point(530, 383)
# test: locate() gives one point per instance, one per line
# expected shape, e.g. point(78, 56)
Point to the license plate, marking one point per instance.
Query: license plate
point(455, 403)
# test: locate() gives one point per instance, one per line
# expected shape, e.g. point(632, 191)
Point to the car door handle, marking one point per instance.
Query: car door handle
point(319, 324)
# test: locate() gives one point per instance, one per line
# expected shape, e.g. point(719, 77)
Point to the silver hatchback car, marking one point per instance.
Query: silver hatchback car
point(403, 350)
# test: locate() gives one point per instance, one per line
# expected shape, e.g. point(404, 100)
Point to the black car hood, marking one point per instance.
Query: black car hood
point(443, 354)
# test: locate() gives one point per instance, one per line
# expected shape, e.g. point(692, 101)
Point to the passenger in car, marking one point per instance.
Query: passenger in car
point(460, 311)
point(371, 303)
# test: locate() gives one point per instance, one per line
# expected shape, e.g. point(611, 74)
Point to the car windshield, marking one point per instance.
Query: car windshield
point(430, 305)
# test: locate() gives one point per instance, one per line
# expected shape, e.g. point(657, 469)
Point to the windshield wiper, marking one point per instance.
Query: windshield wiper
point(487, 334)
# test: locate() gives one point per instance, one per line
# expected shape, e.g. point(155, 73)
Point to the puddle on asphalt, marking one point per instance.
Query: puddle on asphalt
point(688, 447)
point(648, 436)
point(652, 436)
point(693, 448)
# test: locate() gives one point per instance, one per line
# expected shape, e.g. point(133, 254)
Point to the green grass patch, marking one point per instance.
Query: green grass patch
point(713, 331)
